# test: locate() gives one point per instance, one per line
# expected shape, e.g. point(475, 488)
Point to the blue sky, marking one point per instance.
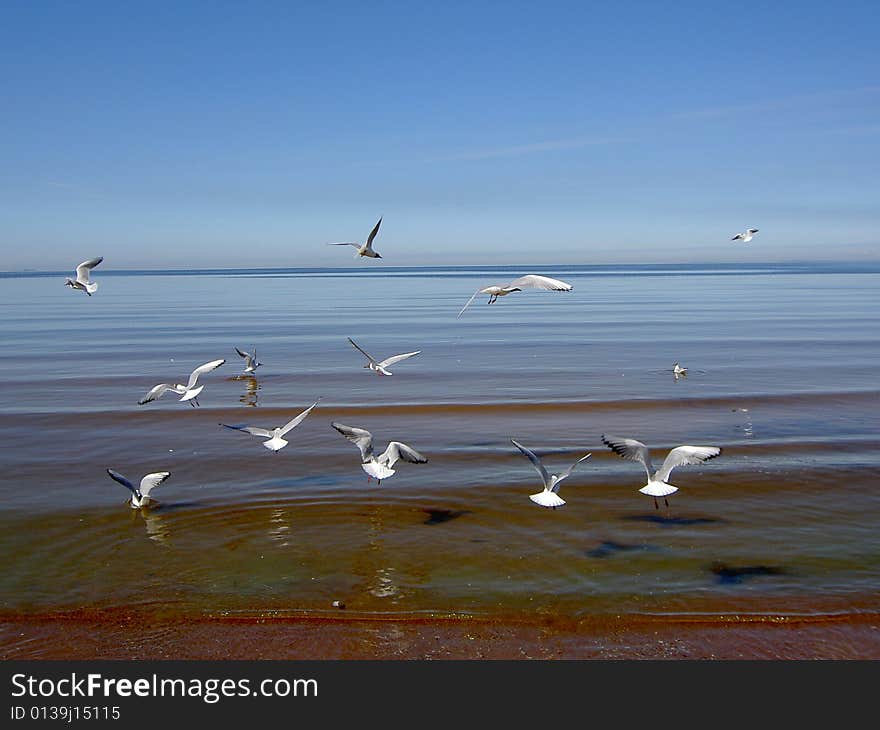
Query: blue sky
point(250, 134)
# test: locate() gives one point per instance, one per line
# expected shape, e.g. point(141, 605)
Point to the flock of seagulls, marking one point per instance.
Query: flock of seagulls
point(380, 467)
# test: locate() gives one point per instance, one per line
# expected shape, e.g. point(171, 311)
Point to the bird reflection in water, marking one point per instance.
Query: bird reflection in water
point(155, 524)
point(251, 385)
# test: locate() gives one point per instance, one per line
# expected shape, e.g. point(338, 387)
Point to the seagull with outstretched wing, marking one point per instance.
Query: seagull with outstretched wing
point(367, 248)
point(275, 435)
point(378, 467)
point(188, 392)
point(529, 281)
point(380, 367)
point(550, 496)
point(82, 280)
point(140, 495)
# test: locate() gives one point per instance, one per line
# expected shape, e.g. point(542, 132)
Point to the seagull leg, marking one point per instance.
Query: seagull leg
point(656, 506)
point(666, 502)
point(369, 479)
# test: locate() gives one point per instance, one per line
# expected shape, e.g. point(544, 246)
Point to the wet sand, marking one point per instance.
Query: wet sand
point(127, 635)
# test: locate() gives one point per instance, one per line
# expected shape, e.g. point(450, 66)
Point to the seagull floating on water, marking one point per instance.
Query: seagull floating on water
point(657, 486)
point(529, 281)
point(250, 361)
point(678, 371)
point(82, 280)
point(381, 368)
point(745, 237)
point(140, 496)
point(549, 497)
point(275, 435)
point(187, 392)
point(378, 467)
point(367, 248)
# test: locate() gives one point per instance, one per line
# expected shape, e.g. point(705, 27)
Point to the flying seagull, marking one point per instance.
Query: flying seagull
point(140, 496)
point(275, 435)
point(250, 361)
point(82, 280)
point(549, 497)
point(657, 485)
point(745, 237)
point(187, 392)
point(367, 248)
point(381, 368)
point(378, 467)
point(529, 281)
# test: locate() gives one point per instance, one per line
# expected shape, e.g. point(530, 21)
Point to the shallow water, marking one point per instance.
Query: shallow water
point(782, 374)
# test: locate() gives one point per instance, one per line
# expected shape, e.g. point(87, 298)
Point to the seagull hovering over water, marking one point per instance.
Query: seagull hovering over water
point(529, 281)
point(275, 435)
point(187, 392)
point(250, 361)
point(549, 497)
point(745, 237)
point(378, 467)
point(82, 280)
point(657, 485)
point(381, 368)
point(140, 496)
point(367, 248)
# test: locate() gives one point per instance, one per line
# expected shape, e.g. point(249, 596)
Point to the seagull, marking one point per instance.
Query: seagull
point(378, 467)
point(549, 497)
point(82, 276)
point(275, 435)
point(381, 368)
point(250, 361)
point(529, 281)
point(140, 496)
point(367, 248)
point(679, 456)
point(187, 392)
point(678, 371)
point(745, 237)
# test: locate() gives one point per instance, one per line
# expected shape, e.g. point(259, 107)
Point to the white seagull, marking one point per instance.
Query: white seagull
point(381, 368)
point(82, 280)
point(745, 237)
point(275, 435)
point(549, 497)
point(367, 248)
point(187, 392)
point(140, 496)
point(250, 361)
point(679, 456)
point(529, 281)
point(378, 467)
point(678, 371)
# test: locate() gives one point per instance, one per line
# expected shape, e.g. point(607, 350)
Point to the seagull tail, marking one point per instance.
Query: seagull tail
point(547, 499)
point(92, 287)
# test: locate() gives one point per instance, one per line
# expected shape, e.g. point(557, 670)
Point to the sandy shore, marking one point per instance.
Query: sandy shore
point(121, 635)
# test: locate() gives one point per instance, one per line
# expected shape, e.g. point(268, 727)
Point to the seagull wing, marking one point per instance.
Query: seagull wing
point(363, 352)
point(156, 393)
point(474, 296)
point(201, 369)
point(534, 281)
point(737, 237)
point(243, 354)
point(567, 473)
point(252, 430)
point(631, 450)
point(151, 481)
point(397, 358)
point(545, 477)
point(293, 423)
point(82, 271)
point(362, 438)
point(398, 450)
point(753, 230)
point(356, 245)
point(684, 455)
point(117, 477)
point(373, 234)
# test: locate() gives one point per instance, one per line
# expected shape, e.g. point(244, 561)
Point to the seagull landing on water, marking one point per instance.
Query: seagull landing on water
point(549, 497)
point(250, 361)
point(82, 280)
point(367, 248)
point(275, 435)
point(381, 368)
point(378, 467)
point(678, 371)
point(186, 392)
point(657, 486)
point(529, 281)
point(745, 237)
point(140, 496)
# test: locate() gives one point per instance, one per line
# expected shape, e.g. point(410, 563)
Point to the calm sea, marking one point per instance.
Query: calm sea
point(783, 364)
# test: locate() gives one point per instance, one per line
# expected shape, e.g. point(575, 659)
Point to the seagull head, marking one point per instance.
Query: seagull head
point(69, 282)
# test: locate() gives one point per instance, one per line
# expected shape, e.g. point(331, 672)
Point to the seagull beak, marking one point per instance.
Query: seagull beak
point(378, 256)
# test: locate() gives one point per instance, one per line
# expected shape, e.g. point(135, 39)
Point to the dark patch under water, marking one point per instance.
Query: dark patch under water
point(438, 516)
point(737, 574)
point(607, 548)
point(667, 521)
